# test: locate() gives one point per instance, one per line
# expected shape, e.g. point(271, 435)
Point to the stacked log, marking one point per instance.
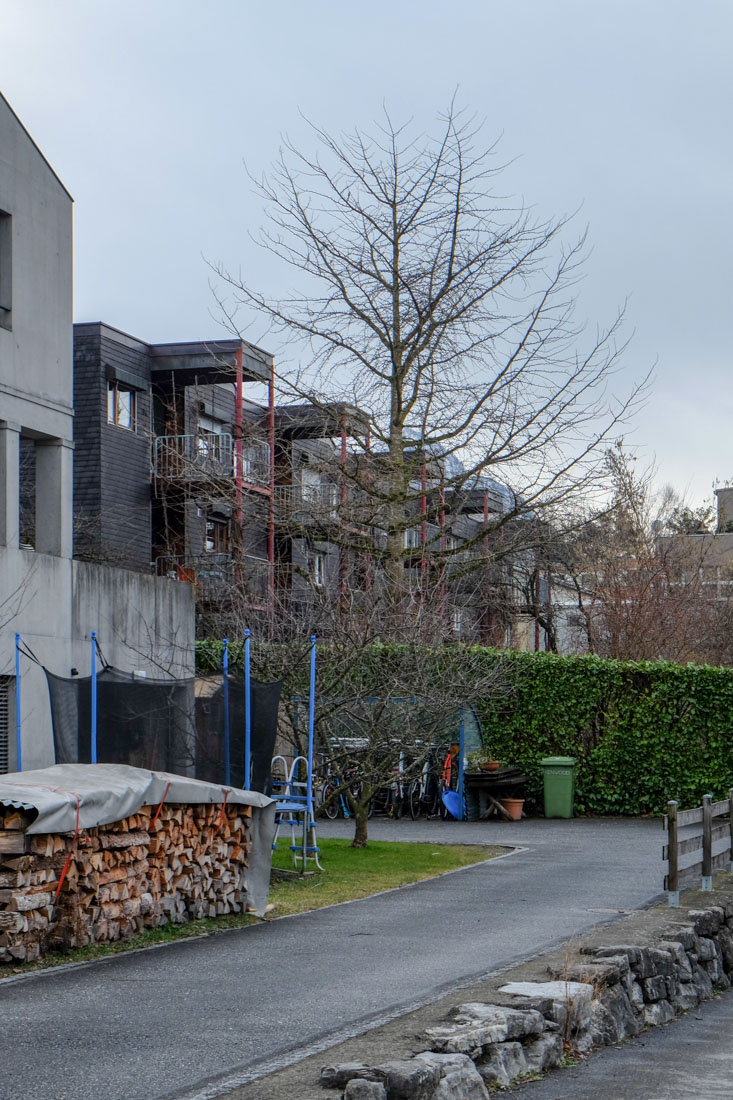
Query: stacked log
point(118, 879)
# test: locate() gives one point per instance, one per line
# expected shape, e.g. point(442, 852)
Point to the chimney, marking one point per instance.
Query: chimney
point(725, 508)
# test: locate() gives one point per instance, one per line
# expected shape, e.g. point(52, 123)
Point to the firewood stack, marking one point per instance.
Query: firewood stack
point(133, 874)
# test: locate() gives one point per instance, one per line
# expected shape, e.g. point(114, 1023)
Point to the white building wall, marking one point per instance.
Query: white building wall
point(52, 601)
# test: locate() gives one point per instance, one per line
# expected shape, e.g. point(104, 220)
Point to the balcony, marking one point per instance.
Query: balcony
point(210, 456)
point(218, 577)
point(309, 503)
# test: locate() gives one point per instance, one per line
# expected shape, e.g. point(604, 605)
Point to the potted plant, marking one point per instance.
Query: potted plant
point(482, 760)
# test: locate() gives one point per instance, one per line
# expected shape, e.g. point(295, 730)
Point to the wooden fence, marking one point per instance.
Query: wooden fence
point(699, 841)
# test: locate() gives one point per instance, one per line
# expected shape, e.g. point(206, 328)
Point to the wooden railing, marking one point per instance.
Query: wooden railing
point(699, 841)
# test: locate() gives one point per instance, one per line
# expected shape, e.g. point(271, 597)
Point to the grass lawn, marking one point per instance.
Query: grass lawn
point(349, 873)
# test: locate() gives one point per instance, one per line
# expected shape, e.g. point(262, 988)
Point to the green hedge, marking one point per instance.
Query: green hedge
point(642, 732)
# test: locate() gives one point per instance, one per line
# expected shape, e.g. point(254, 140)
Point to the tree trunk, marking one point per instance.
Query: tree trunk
point(361, 826)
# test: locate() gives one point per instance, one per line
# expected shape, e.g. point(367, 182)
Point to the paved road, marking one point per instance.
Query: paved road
point(168, 1022)
point(690, 1058)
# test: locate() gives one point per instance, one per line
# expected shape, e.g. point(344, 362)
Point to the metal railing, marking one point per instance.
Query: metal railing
point(307, 502)
point(209, 455)
point(218, 576)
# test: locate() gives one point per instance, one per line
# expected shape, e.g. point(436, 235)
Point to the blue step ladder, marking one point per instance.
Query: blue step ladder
point(294, 809)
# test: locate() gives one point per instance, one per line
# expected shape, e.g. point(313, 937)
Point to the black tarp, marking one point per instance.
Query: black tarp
point(157, 724)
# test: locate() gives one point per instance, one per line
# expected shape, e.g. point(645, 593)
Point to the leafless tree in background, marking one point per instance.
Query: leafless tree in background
point(445, 315)
point(638, 574)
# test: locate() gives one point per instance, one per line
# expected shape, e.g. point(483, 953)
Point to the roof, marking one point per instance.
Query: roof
point(50, 167)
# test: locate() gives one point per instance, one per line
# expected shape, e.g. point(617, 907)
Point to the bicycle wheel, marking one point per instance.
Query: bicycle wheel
point(331, 801)
point(414, 799)
point(398, 804)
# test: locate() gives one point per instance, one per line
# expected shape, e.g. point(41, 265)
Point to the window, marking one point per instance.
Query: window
point(6, 271)
point(458, 621)
point(121, 406)
point(318, 570)
point(217, 536)
point(412, 538)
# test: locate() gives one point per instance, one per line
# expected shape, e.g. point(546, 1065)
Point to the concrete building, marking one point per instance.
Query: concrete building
point(52, 601)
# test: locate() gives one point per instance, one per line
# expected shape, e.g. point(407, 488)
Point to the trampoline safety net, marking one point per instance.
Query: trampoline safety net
point(161, 725)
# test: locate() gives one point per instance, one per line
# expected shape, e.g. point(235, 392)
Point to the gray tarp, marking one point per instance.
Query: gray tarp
point(106, 793)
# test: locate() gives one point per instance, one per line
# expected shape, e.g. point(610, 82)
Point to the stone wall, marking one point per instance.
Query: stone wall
point(607, 994)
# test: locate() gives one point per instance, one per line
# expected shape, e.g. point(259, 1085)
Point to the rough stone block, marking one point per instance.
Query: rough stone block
point(725, 943)
point(543, 1053)
point(717, 975)
point(633, 954)
point(706, 951)
point(468, 1039)
point(519, 1022)
point(643, 967)
point(409, 1079)
point(459, 1078)
point(661, 1012)
point(636, 996)
point(686, 996)
point(359, 1089)
point(678, 953)
point(617, 1002)
point(336, 1076)
point(502, 1064)
point(706, 922)
point(662, 961)
point(684, 934)
point(702, 982)
point(567, 997)
point(654, 989)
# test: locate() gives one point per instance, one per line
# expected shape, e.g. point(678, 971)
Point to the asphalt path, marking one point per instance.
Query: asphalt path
point(196, 1018)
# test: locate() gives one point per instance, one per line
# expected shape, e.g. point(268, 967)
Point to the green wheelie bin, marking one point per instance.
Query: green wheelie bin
point(559, 774)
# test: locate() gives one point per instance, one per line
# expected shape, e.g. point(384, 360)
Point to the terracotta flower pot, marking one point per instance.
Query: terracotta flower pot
point(513, 807)
point(491, 765)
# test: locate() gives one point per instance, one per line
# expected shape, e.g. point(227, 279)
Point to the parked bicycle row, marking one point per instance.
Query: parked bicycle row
point(415, 788)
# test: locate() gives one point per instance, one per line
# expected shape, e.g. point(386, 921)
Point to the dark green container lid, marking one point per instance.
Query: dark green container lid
point(558, 762)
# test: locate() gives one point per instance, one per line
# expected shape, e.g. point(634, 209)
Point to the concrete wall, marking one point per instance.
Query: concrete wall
point(142, 622)
point(35, 353)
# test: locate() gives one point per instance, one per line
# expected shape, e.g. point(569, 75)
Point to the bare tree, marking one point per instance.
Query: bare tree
point(636, 574)
point(446, 317)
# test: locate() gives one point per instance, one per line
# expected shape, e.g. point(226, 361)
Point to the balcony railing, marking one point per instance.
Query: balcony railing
point(307, 503)
point(209, 456)
point(218, 577)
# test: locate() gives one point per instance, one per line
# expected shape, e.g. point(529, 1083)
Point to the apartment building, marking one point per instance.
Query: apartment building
point(275, 514)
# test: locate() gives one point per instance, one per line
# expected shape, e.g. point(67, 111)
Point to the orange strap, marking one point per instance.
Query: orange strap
point(160, 805)
point(221, 813)
point(71, 850)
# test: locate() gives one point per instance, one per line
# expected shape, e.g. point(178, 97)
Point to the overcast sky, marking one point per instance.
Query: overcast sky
point(621, 109)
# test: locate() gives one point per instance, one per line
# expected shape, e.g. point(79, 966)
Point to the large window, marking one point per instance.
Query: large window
point(121, 406)
point(217, 536)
